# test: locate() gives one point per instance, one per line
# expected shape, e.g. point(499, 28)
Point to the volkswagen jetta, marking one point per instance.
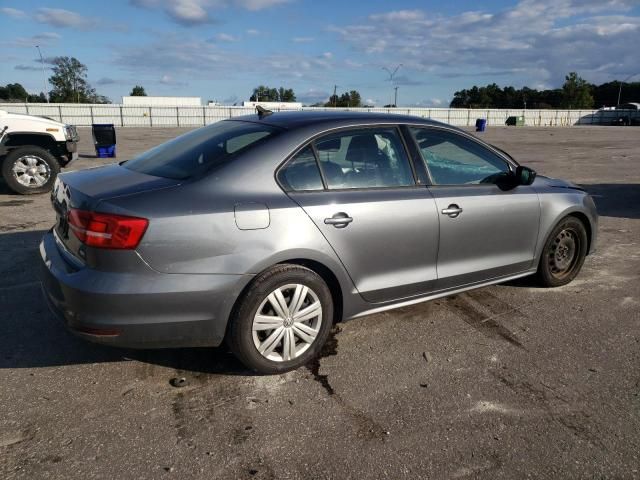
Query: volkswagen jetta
point(266, 229)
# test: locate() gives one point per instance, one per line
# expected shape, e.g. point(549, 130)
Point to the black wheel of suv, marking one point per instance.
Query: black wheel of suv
point(282, 320)
point(563, 253)
point(30, 170)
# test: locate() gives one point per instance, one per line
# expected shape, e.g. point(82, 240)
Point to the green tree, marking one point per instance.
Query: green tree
point(286, 95)
point(138, 91)
point(576, 92)
point(263, 93)
point(69, 81)
point(15, 92)
point(347, 99)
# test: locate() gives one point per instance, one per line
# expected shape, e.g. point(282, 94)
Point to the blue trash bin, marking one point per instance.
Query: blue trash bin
point(104, 139)
point(481, 124)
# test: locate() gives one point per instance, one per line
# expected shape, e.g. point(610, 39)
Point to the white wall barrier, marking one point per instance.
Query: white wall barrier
point(188, 116)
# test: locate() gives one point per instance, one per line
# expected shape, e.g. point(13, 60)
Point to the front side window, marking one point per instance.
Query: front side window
point(366, 158)
point(301, 173)
point(195, 152)
point(453, 159)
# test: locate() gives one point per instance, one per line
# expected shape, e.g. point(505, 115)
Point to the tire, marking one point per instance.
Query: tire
point(30, 170)
point(563, 253)
point(292, 281)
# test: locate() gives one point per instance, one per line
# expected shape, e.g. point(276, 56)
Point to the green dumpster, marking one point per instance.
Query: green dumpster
point(515, 121)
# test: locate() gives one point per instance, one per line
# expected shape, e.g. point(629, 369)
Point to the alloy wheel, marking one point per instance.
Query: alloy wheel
point(31, 171)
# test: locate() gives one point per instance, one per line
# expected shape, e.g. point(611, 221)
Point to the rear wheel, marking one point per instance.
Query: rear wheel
point(282, 321)
point(563, 253)
point(30, 170)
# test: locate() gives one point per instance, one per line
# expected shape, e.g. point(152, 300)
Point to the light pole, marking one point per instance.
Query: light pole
point(620, 87)
point(395, 101)
point(391, 75)
point(44, 77)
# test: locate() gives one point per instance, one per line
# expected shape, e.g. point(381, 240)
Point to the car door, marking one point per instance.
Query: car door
point(365, 201)
point(488, 226)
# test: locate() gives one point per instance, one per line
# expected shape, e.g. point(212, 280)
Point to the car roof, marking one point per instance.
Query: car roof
point(297, 119)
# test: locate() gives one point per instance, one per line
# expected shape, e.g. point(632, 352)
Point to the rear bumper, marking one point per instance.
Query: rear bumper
point(141, 310)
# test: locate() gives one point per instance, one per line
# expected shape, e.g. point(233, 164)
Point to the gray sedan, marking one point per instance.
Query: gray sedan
point(264, 230)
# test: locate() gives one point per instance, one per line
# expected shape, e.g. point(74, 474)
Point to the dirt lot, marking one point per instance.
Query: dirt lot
point(431, 391)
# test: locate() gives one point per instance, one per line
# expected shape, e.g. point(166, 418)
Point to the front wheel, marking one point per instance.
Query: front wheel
point(563, 253)
point(30, 170)
point(282, 321)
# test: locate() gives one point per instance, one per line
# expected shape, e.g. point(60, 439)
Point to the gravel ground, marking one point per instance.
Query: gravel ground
point(510, 381)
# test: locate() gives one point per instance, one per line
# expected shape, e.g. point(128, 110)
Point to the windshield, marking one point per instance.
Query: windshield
point(196, 152)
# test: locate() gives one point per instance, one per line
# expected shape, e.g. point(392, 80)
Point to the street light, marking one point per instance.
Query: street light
point(391, 75)
point(620, 87)
point(44, 77)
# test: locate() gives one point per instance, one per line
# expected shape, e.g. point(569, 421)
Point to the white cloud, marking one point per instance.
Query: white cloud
point(30, 68)
point(185, 57)
point(225, 37)
point(169, 80)
point(198, 12)
point(188, 11)
point(538, 40)
point(353, 64)
point(61, 18)
point(313, 95)
point(255, 5)
point(253, 32)
point(13, 12)
point(42, 39)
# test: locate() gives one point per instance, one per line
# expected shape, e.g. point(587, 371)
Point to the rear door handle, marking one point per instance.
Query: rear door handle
point(339, 220)
point(452, 210)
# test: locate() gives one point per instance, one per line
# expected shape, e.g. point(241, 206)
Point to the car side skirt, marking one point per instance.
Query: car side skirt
point(442, 293)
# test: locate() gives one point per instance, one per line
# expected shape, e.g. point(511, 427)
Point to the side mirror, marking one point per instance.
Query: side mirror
point(525, 175)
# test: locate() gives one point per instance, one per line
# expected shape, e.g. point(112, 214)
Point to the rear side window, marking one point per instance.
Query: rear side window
point(301, 173)
point(196, 152)
point(366, 158)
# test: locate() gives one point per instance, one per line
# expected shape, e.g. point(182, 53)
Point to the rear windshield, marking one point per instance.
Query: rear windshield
point(195, 152)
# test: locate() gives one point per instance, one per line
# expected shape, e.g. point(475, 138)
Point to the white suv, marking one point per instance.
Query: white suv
point(33, 150)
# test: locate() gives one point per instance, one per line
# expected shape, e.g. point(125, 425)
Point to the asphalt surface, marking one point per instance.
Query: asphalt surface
point(510, 381)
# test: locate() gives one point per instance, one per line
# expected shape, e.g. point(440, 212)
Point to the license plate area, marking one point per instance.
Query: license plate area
point(62, 227)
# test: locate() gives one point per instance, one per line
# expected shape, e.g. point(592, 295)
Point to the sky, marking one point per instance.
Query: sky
point(221, 49)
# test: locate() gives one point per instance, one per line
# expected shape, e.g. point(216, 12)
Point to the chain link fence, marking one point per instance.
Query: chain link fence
point(157, 116)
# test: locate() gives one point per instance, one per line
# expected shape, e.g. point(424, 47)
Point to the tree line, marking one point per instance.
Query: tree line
point(69, 85)
point(575, 93)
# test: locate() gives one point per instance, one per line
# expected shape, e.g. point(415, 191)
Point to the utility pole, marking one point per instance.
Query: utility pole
point(391, 75)
point(620, 87)
point(335, 98)
point(395, 101)
point(44, 77)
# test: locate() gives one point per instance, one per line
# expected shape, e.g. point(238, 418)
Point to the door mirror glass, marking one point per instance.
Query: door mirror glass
point(525, 175)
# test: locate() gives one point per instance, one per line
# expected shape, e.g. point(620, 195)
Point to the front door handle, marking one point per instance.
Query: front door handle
point(452, 210)
point(339, 220)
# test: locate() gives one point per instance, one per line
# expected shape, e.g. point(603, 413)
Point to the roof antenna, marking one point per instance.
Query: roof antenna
point(262, 112)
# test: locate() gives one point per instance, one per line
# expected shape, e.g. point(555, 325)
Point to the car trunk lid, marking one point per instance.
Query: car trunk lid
point(86, 189)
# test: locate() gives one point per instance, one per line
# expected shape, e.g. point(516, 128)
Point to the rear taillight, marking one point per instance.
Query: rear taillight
point(104, 230)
